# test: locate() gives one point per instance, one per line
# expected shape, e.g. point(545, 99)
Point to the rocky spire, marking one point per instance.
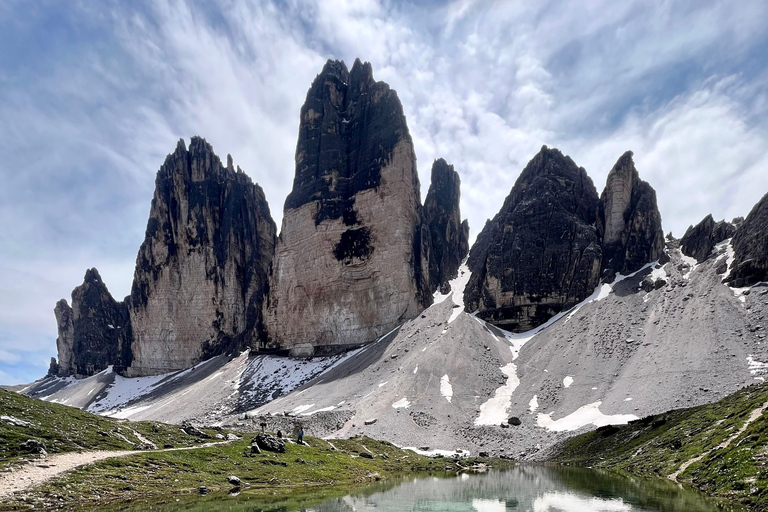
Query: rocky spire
point(94, 333)
point(698, 241)
point(628, 220)
point(750, 247)
point(449, 235)
point(201, 272)
point(541, 253)
point(352, 261)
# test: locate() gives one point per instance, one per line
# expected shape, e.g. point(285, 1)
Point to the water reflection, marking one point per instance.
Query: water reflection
point(522, 489)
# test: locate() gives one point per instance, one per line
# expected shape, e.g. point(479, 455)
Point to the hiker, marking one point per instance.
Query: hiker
point(300, 439)
point(263, 426)
point(279, 434)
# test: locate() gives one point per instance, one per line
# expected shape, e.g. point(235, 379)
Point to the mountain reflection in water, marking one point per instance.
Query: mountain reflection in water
point(521, 489)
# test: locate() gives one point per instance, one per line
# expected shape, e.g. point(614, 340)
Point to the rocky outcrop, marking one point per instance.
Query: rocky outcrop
point(449, 236)
point(201, 272)
point(541, 253)
point(750, 247)
point(352, 259)
point(94, 333)
point(628, 221)
point(699, 240)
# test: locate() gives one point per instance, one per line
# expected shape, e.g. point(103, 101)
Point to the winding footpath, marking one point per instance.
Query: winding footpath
point(37, 472)
point(752, 417)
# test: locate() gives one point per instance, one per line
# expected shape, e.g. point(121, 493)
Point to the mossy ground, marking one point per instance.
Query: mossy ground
point(659, 445)
point(66, 429)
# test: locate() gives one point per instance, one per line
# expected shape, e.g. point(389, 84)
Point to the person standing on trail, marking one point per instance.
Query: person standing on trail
point(300, 439)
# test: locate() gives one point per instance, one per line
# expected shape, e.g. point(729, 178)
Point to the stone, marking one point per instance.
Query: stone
point(16, 422)
point(32, 446)
point(94, 333)
point(202, 271)
point(233, 480)
point(232, 437)
point(484, 454)
point(191, 430)
point(366, 455)
point(449, 236)
point(698, 241)
point(750, 248)
point(628, 221)
point(514, 421)
point(371, 421)
point(255, 449)
point(541, 253)
point(352, 259)
point(269, 443)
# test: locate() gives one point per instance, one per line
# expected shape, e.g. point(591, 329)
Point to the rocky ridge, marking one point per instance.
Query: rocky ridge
point(698, 241)
point(750, 248)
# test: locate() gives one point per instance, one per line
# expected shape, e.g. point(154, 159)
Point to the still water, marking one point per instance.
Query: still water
point(521, 489)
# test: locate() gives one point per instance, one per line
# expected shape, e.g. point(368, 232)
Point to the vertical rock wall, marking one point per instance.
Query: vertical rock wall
point(541, 253)
point(201, 272)
point(352, 261)
point(750, 247)
point(628, 220)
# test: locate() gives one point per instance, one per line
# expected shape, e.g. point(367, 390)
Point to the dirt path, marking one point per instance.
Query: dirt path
point(752, 417)
point(37, 472)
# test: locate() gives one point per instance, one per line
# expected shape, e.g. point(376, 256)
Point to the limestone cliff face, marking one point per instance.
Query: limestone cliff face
point(94, 333)
point(541, 253)
point(449, 236)
point(750, 247)
point(628, 220)
point(201, 272)
point(352, 261)
point(699, 240)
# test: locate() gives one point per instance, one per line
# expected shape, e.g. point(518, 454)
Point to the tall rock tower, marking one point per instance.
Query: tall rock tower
point(628, 220)
point(541, 253)
point(201, 272)
point(352, 259)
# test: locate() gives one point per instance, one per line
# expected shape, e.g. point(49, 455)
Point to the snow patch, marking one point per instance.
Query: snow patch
point(494, 410)
point(533, 405)
point(756, 367)
point(323, 409)
point(433, 453)
point(457, 291)
point(403, 403)
point(584, 415)
point(445, 388)
point(124, 390)
point(691, 262)
point(416, 369)
point(567, 381)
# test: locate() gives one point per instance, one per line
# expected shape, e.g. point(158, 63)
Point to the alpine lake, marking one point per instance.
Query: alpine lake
point(524, 488)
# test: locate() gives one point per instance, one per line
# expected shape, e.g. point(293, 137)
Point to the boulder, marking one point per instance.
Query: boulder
point(628, 221)
point(233, 480)
point(541, 253)
point(352, 259)
point(514, 421)
point(269, 443)
point(750, 248)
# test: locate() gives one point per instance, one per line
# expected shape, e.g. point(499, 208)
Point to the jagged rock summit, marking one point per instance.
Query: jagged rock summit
point(352, 259)
point(200, 278)
point(750, 248)
point(541, 253)
point(698, 241)
point(628, 220)
point(94, 333)
point(449, 235)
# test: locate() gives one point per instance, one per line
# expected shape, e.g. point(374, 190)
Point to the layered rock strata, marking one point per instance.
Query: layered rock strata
point(750, 248)
point(449, 236)
point(352, 259)
point(541, 253)
point(628, 220)
point(699, 240)
point(94, 333)
point(201, 272)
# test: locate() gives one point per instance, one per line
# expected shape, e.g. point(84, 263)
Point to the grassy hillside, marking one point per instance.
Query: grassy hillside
point(661, 445)
point(65, 429)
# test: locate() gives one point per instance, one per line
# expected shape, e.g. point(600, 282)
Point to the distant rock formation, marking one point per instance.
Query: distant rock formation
point(352, 259)
point(201, 272)
point(698, 241)
point(94, 333)
point(750, 247)
point(541, 253)
point(449, 236)
point(628, 221)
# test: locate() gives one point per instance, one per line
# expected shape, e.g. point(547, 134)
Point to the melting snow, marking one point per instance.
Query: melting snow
point(567, 381)
point(444, 453)
point(533, 404)
point(457, 291)
point(123, 391)
point(584, 415)
point(494, 410)
point(692, 264)
point(756, 367)
point(445, 388)
point(403, 403)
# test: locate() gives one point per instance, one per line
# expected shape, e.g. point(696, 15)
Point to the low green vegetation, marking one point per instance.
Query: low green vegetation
point(661, 445)
point(57, 429)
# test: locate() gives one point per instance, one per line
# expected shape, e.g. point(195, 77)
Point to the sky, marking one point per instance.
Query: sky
point(94, 95)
